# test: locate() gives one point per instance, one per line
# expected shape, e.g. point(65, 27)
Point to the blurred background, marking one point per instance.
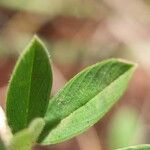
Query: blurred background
point(79, 33)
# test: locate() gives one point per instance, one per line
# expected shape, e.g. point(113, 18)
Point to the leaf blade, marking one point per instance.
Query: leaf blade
point(65, 112)
point(29, 86)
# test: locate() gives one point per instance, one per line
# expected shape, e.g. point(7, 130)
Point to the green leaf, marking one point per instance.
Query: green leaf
point(2, 145)
point(85, 99)
point(25, 139)
point(138, 147)
point(36, 127)
point(30, 86)
point(123, 127)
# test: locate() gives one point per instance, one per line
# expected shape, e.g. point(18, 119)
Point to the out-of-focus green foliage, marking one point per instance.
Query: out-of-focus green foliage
point(123, 128)
point(2, 146)
point(53, 7)
point(138, 147)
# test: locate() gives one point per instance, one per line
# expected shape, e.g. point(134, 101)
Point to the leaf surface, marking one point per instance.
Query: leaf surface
point(138, 147)
point(85, 99)
point(29, 87)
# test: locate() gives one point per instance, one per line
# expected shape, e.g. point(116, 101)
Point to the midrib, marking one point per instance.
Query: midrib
point(29, 90)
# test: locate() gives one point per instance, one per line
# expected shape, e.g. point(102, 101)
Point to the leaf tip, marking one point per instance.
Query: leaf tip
point(37, 41)
point(133, 64)
point(36, 38)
